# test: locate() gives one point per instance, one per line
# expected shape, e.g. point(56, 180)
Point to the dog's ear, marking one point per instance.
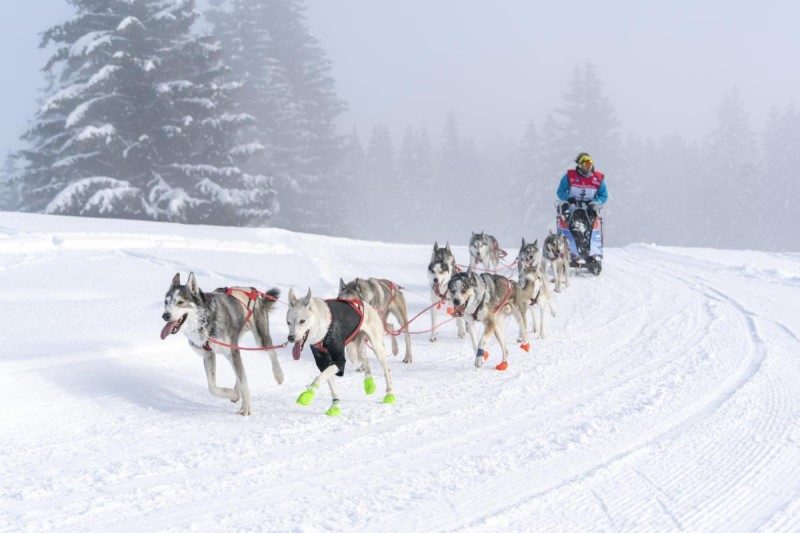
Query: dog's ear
point(523, 243)
point(292, 298)
point(307, 297)
point(447, 246)
point(436, 246)
point(191, 283)
point(536, 243)
point(342, 284)
point(176, 280)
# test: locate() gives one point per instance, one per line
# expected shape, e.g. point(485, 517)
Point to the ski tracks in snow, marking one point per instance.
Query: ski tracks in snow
point(663, 398)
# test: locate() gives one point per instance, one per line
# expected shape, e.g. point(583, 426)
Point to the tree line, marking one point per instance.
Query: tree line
point(149, 114)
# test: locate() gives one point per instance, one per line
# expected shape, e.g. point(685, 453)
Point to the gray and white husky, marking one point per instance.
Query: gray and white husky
point(387, 298)
point(486, 298)
point(529, 256)
point(534, 291)
point(441, 268)
point(330, 329)
point(222, 315)
point(556, 250)
point(484, 249)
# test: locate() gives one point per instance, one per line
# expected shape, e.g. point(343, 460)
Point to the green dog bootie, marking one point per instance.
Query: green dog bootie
point(334, 410)
point(307, 395)
point(389, 398)
point(369, 385)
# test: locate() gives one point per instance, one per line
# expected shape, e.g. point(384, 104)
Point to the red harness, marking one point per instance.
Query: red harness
point(358, 307)
point(252, 296)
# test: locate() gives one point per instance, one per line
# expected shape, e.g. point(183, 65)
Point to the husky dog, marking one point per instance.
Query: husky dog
point(329, 326)
point(486, 298)
point(440, 269)
point(530, 255)
point(387, 298)
point(534, 291)
point(484, 249)
point(556, 250)
point(222, 315)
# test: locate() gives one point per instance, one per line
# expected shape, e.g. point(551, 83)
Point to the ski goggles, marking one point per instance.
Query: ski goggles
point(585, 159)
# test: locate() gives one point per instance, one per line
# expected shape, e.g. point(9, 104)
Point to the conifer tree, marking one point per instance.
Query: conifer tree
point(134, 123)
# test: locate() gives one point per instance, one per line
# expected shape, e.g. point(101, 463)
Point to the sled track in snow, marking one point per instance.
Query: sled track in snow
point(659, 405)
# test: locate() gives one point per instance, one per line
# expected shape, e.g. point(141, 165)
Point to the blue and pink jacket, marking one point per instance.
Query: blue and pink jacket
point(591, 188)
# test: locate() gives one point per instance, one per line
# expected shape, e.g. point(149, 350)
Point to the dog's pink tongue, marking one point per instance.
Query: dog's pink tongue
point(168, 329)
point(296, 349)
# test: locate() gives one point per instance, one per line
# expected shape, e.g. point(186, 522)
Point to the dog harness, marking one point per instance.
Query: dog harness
point(347, 316)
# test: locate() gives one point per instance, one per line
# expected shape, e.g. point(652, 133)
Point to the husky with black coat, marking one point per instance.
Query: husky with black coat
point(441, 268)
point(387, 298)
point(333, 327)
point(486, 298)
point(221, 316)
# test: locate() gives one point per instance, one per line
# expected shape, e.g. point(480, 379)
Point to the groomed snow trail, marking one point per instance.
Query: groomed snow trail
point(666, 395)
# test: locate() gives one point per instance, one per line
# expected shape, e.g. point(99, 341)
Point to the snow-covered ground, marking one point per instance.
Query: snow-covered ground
point(667, 395)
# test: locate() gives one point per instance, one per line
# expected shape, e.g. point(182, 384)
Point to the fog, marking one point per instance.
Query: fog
point(664, 65)
point(463, 115)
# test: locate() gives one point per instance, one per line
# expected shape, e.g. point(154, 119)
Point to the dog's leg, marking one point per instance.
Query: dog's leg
point(541, 306)
point(387, 329)
point(401, 315)
point(334, 409)
point(534, 324)
point(369, 381)
point(307, 395)
point(241, 381)
point(462, 331)
point(377, 346)
point(468, 327)
point(520, 316)
point(480, 352)
point(210, 362)
point(263, 338)
point(434, 300)
point(499, 333)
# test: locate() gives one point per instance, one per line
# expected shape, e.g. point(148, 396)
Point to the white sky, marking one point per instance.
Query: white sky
point(664, 65)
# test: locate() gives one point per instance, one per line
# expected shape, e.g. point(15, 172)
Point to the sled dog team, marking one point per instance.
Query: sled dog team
point(342, 328)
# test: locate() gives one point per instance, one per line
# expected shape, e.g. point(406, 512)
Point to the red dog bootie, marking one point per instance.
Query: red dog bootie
point(502, 366)
point(525, 346)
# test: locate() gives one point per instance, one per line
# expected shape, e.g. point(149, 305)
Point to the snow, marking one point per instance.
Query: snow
point(110, 188)
point(87, 43)
point(665, 397)
point(92, 132)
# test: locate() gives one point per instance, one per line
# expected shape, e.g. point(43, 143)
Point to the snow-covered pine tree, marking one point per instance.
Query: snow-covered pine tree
point(781, 142)
point(289, 91)
point(533, 188)
point(587, 121)
point(729, 186)
point(135, 124)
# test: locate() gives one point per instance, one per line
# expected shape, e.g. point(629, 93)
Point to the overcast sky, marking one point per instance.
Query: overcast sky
point(664, 65)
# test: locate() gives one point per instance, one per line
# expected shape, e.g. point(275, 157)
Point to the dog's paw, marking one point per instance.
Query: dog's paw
point(433, 338)
point(278, 373)
point(407, 358)
point(233, 395)
point(244, 411)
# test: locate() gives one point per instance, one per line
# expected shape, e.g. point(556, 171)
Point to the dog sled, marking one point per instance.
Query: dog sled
point(584, 237)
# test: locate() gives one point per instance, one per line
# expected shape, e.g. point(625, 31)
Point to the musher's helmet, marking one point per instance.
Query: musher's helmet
point(585, 163)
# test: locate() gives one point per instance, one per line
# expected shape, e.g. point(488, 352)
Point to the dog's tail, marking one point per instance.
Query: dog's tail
point(270, 297)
